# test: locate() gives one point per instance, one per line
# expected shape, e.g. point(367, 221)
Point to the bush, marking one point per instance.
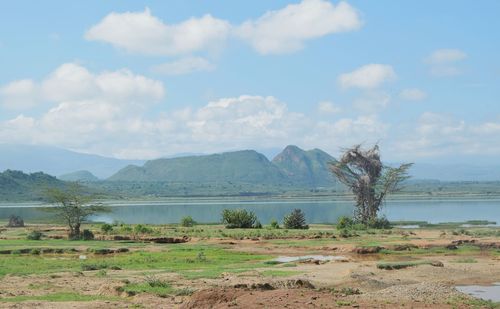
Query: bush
point(275, 224)
point(344, 223)
point(142, 229)
point(257, 225)
point(379, 223)
point(34, 235)
point(238, 218)
point(188, 221)
point(295, 220)
point(106, 228)
point(87, 235)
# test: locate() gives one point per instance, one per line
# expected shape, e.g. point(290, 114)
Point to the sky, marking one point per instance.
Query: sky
point(146, 79)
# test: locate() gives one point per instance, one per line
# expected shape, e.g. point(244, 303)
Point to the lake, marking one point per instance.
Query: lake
point(324, 211)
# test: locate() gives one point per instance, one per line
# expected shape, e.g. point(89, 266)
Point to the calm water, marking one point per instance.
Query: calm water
point(316, 211)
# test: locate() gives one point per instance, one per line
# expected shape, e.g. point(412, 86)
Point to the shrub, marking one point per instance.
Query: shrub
point(34, 235)
point(106, 228)
point(87, 235)
point(238, 218)
point(379, 223)
point(257, 225)
point(15, 221)
point(275, 224)
point(142, 229)
point(295, 220)
point(35, 251)
point(188, 221)
point(344, 222)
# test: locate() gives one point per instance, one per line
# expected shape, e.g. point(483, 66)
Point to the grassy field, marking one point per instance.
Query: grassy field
point(41, 269)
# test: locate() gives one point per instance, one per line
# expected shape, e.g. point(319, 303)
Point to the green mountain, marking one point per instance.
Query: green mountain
point(293, 167)
point(247, 166)
point(309, 168)
point(83, 176)
point(18, 186)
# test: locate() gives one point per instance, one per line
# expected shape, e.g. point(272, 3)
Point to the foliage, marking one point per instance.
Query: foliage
point(73, 207)
point(87, 235)
point(188, 221)
point(344, 222)
point(274, 224)
point(238, 218)
point(257, 225)
point(295, 220)
point(142, 229)
point(106, 228)
point(364, 174)
point(379, 223)
point(15, 221)
point(34, 235)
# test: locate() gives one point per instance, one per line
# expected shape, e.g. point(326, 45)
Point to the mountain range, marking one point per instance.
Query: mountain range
point(292, 166)
point(56, 161)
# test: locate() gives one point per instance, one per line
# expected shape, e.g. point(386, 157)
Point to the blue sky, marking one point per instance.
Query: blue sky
point(136, 79)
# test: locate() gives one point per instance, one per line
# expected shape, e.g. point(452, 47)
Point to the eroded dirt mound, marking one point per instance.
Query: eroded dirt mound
point(278, 298)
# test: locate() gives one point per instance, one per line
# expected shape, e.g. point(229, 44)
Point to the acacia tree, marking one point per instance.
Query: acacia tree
point(73, 207)
point(364, 174)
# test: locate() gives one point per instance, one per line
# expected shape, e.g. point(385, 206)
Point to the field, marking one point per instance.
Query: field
point(214, 267)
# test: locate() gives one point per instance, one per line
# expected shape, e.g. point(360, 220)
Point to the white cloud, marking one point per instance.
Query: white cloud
point(329, 107)
point(287, 29)
point(443, 62)
point(412, 94)
point(442, 56)
point(442, 135)
point(19, 94)
point(71, 82)
point(372, 102)
point(367, 77)
point(184, 66)
point(144, 33)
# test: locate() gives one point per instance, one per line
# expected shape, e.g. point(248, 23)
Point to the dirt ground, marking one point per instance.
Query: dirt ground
point(352, 281)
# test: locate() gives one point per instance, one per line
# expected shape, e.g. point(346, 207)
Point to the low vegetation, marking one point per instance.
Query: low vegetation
point(238, 218)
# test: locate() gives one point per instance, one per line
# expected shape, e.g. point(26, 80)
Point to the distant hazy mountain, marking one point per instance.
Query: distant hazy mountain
point(305, 167)
point(455, 172)
point(293, 166)
point(18, 186)
point(247, 166)
point(56, 161)
point(84, 176)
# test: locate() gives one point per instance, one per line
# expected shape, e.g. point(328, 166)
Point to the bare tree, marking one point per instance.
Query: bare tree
point(73, 207)
point(364, 174)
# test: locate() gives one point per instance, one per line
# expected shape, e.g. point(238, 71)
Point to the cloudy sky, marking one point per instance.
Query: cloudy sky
point(144, 79)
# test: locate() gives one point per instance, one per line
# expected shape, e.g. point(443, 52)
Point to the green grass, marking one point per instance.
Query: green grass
point(57, 297)
point(459, 302)
point(175, 258)
point(401, 265)
point(462, 250)
point(465, 260)
point(279, 273)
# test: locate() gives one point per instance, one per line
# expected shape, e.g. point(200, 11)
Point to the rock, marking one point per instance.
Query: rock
point(437, 263)
point(451, 247)
point(405, 247)
point(367, 250)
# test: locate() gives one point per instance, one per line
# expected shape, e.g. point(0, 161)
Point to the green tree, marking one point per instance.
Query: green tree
point(73, 206)
point(295, 220)
point(364, 174)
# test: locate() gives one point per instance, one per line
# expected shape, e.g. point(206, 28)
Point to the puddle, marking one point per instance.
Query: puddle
point(288, 259)
point(408, 226)
point(491, 292)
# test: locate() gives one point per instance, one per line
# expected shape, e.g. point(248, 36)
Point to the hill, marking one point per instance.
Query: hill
point(57, 161)
point(247, 166)
point(84, 176)
point(308, 168)
point(18, 186)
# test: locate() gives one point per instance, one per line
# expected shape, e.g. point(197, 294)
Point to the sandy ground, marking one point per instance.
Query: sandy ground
point(318, 285)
